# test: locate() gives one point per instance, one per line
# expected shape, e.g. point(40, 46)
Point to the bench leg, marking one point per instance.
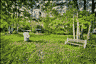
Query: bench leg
point(65, 42)
point(85, 44)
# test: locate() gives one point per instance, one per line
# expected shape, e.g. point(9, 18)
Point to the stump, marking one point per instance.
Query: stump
point(26, 36)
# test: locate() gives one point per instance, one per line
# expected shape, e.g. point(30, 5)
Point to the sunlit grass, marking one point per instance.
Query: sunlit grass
point(44, 49)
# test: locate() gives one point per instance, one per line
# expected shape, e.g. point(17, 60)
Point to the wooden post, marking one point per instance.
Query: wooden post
point(77, 27)
point(85, 44)
point(88, 35)
point(73, 28)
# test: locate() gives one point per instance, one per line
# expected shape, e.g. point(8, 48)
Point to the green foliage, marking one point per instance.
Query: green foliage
point(38, 26)
point(86, 19)
point(51, 25)
point(3, 24)
point(56, 14)
point(26, 26)
point(8, 15)
point(14, 32)
point(46, 21)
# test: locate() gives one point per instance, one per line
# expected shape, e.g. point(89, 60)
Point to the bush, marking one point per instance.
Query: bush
point(40, 27)
point(3, 29)
point(14, 32)
point(34, 31)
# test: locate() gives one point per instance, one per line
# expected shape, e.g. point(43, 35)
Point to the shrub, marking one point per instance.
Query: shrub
point(14, 32)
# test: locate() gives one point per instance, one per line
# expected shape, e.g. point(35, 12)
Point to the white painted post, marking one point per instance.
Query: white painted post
point(85, 44)
point(26, 36)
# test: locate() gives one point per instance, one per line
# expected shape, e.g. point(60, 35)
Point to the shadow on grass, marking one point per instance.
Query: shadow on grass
point(4, 42)
point(33, 35)
point(73, 45)
point(19, 35)
point(89, 52)
point(61, 41)
point(39, 41)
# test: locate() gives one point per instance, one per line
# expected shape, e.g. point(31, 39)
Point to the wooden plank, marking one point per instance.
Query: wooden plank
point(75, 40)
point(75, 44)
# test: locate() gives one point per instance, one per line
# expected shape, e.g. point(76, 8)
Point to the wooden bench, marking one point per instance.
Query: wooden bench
point(75, 41)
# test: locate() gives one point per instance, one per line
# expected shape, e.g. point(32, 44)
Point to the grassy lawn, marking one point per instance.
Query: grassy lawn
point(45, 49)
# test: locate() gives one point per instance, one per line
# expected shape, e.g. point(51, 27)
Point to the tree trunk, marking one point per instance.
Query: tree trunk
point(9, 31)
point(77, 27)
point(77, 31)
point(17, 28)
point(31, 29)
point(88, 35)
point(31, 25)
point(93, 6)
point(73, 28)
point(75, 1)
point(12, 28)
point(84, 4)
point(81, 32)
point(17, 18)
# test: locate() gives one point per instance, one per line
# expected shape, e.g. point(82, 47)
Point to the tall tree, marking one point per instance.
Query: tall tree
point(76, 4)
point(84, 4)
point(93, 6)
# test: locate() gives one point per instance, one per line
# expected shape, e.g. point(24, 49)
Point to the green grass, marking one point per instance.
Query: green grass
point(45, 49)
